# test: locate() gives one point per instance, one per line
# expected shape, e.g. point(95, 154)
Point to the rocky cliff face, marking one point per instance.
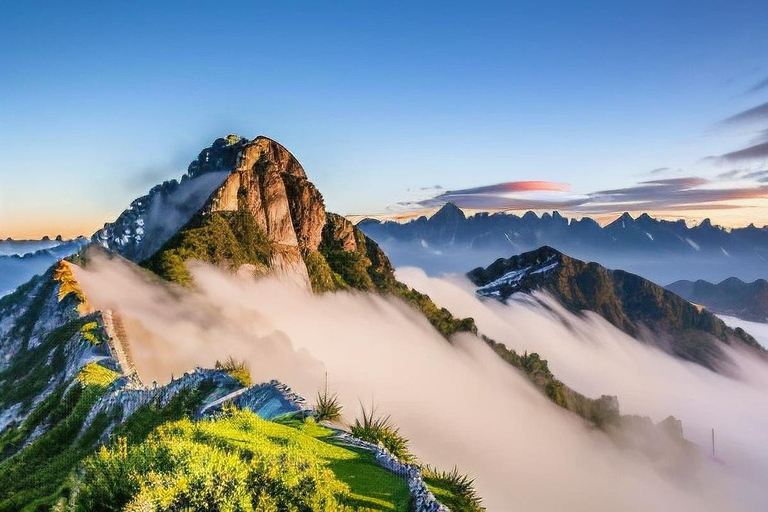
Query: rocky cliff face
point(270, 184)
point(47, 336)
point(243, 204)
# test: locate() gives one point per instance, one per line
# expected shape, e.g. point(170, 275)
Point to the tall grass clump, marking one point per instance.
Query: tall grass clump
point(327, 407)
point(454, 489)
point(380, 429)
point(237, 369)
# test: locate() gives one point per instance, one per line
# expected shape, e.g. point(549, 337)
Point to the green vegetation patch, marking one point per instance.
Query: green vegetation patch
point(453, 489)
point(91, 332)
point(238, 462)
point(231, 238)
point(380, 429)
point(237, 370)
point(36, 477)
point(601, 411)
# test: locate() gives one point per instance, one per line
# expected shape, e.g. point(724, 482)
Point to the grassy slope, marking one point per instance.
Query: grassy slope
point(295, 464)
point(371, 485)
point(231, 238)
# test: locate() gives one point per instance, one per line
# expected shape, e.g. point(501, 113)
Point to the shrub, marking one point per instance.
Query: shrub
point(453, 489)
point(95, 374)
point(205, 466)
point(237, 369)
point(328, 407)
point(90, 332)
point(381, 430)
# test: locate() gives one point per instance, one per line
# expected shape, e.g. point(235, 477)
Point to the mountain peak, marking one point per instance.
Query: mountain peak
point(622, 221)
point(645, 217)
point(449, 212)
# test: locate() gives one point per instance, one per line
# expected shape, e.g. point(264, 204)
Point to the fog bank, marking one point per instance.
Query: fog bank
point(458, 403)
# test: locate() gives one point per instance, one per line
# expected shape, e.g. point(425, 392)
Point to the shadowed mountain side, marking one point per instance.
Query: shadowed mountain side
point(660, 250)
point(635, 305)
point(733, 297)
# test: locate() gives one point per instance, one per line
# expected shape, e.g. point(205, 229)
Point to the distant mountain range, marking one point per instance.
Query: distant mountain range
point(732, 297)
point(635, 305)
point(9, 246)
point(22, 259)
point(657, 249)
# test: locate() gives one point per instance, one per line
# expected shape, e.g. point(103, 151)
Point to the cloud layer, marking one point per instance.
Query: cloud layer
point(457, 402)
point(686, 193)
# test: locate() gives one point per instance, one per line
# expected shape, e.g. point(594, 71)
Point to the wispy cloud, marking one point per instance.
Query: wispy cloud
point(755, 152)
point(758, 146)
point(752, 115)
point(683, 194)
point(759, 86)
point(532, 194)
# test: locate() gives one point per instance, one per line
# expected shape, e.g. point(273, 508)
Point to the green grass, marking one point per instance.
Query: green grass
point(240, 462)
point(371, 486)
point(221, 238)
point(452, 489)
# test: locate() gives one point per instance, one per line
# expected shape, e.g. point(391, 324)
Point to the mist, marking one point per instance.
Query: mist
point(459, 403)
point(170, 207)
point(759, 330)
point(660, 267)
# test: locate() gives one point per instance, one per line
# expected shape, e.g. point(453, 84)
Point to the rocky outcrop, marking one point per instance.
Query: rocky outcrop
point(125, 397)
point(270, 184)
point(268, 400)
point(265, 216)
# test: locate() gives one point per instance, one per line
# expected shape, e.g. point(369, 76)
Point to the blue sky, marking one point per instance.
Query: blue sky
point(100, 100)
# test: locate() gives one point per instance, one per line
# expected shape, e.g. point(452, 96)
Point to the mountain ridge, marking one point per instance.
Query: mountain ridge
point(631, 303)
point(661, 250)
point(732, 296)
